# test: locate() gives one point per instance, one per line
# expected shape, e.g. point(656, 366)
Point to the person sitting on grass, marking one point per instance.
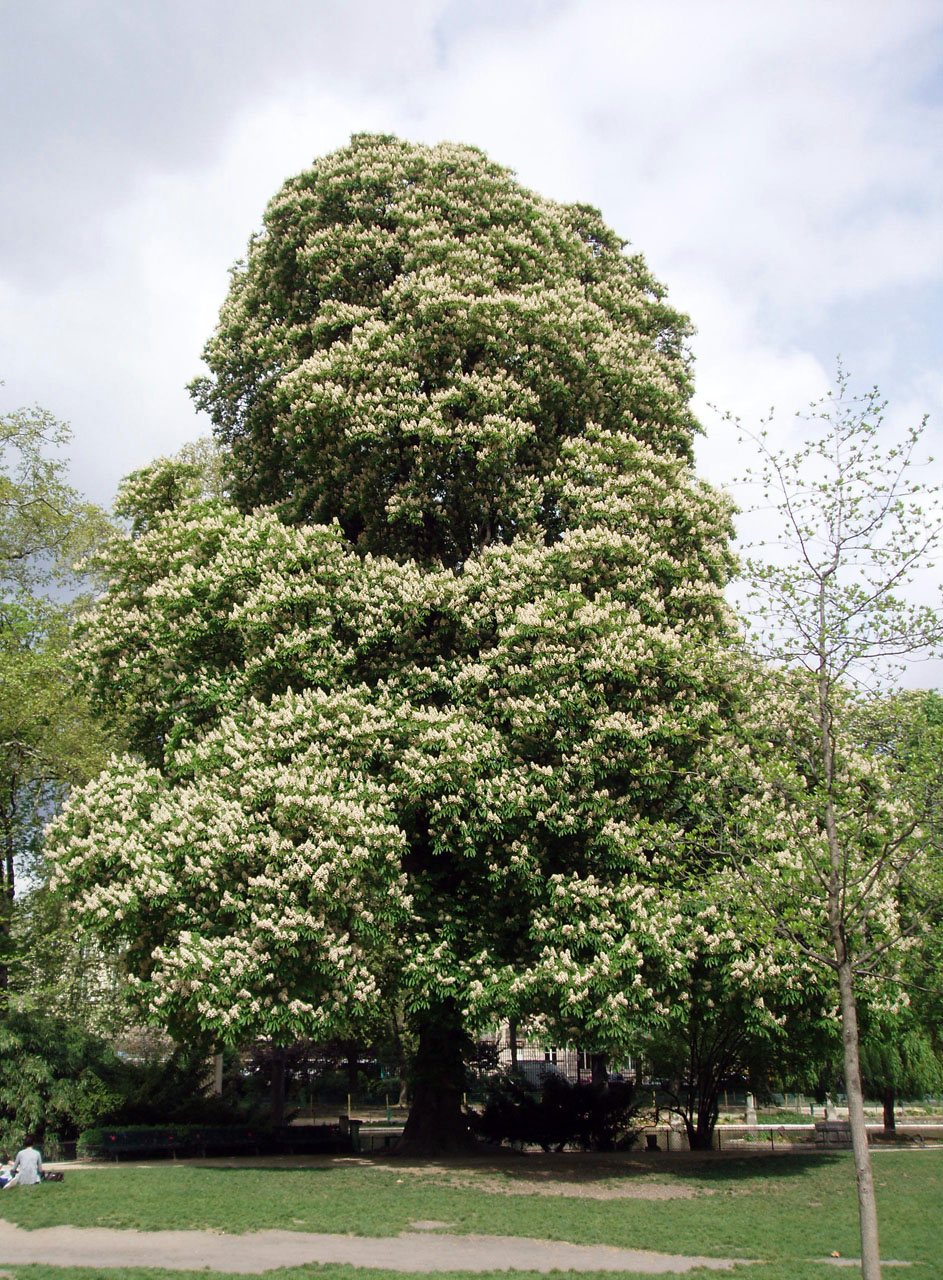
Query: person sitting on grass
point(27, 1166)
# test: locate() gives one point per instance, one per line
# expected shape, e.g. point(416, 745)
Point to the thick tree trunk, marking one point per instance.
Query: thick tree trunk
point(700, 1132)
point(701, 1136)
point(436, 1123)
point(599, 1068)
point(890, 1120)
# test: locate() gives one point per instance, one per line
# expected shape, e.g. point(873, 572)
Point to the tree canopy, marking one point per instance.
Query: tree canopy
point(47, 741)
point(438, 678)
point(44, 523)
point(413, 340)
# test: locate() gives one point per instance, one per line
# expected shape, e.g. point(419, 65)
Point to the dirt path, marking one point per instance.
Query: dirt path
point(265, 1250)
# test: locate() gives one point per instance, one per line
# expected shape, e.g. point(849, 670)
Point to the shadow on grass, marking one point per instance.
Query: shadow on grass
point(546, 1168)
point(595, 1166)
point(737, 1168)
point(535, 1168)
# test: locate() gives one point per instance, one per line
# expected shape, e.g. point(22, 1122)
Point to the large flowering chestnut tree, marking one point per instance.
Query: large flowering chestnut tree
point(436, 678)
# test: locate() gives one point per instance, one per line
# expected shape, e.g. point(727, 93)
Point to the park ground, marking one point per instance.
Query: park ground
point(783, 1217)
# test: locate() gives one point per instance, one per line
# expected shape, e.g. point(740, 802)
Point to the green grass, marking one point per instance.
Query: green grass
point(784, 1209)
point(764, 1271)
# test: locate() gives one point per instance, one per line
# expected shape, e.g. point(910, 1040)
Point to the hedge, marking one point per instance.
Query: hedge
point(210, 1140)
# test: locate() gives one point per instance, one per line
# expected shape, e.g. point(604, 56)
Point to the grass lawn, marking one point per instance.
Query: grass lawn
point(786, 1209)
point(771, 1271)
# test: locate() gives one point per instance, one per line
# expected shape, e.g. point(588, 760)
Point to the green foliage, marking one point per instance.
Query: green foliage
point(54, 1079)
point(57, 1079)
point(196, 471)
point(47, 739)
point(900, 1054)
point(736, 1005)
point(851, 784)
point(592, 1117)
point(44, 523)
point(57, 968)
point(298, 702)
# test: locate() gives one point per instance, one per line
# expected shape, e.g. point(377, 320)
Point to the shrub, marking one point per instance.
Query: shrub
point(590, 1116)
point(54, 1078)
point(208, 1140)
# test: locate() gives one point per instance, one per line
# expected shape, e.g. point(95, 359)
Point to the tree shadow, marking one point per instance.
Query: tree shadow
point(545, 1169)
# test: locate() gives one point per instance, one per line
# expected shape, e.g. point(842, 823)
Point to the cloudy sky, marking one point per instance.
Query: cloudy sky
point(778, 165)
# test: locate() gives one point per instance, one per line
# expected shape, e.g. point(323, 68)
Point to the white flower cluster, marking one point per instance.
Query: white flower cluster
point(357, 775)
point(414, 336)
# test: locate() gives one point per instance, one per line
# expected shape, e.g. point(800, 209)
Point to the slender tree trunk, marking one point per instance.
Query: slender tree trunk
point(400, 1061)
point(890, 1120)
point(687, 1118)
point(278, 1086)
point(700, 1132)
point(512, 1039)
point(436, 1123)
point(353, 1063)
point(7, 891)
point(867, 1207)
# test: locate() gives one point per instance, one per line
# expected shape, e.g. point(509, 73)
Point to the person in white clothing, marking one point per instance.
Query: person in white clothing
point(27, 1167)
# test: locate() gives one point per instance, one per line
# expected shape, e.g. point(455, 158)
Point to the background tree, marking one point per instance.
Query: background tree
point(47, 740)
point(901, 1047)
point(852, 844)
point(900, 1056)
point(44, 523)
point(735, 1007)
point(60, 970)
point(474, 700)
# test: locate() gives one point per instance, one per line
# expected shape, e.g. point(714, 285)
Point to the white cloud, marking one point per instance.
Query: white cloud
point(778, 166)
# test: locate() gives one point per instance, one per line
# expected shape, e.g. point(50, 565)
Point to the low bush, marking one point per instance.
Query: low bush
point(559, 1114)
point(134, 1141)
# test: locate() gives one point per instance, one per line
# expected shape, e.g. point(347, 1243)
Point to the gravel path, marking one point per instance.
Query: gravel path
point(265, 1250)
